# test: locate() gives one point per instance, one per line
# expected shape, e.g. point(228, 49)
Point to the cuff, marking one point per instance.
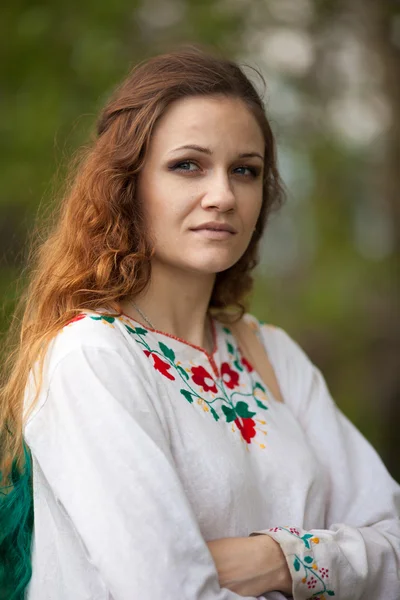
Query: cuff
point(310, 579)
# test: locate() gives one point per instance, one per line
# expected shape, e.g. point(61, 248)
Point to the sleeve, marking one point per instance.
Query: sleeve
point(103, 450)
point(356, 556)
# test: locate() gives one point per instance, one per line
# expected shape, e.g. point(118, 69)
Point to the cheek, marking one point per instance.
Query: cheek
point(155, 203)
point(251, 208)
point(168, 208)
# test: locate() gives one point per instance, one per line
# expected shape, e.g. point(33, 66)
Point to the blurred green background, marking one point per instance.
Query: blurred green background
point(328, 263)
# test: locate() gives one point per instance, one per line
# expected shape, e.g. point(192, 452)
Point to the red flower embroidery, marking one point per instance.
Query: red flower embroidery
point(312, 583)
point(246, 364)
point(324, 572)
point(229, 376)
point(77, 318)
point(203, 378)
point(160, 365)
point(247, 428)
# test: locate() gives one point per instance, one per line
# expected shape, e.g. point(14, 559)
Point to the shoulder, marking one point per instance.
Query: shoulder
point(94, 339)
point(93, 347)
point(292, 366)
point(277, 341)
point(91, 329)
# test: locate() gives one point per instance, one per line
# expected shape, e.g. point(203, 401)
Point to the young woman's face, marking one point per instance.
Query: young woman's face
point(204, 169)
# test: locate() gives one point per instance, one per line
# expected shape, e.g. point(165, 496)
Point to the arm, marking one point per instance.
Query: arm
point(103, 451)
point(250, 566)
point(356, 556)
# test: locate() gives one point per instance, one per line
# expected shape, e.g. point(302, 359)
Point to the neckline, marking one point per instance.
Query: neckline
point(210, 356)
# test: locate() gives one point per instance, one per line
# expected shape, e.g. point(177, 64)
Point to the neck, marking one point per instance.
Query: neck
point(176, 302)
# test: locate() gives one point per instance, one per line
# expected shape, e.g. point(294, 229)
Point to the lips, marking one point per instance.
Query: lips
point(213, 229)
point(213, 234)
point(215, 226)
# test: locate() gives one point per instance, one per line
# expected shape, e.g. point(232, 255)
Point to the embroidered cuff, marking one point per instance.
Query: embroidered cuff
point(310, 579)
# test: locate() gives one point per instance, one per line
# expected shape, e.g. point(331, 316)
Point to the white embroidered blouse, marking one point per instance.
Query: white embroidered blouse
point(145, 447)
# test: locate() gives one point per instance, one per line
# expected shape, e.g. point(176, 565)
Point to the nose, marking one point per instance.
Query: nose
point(219, 194)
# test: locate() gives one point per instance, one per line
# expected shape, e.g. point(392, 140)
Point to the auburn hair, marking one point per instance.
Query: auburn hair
point(96, 251)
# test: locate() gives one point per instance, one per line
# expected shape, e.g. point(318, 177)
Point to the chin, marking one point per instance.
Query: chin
point(201, 264)
point(211, 267)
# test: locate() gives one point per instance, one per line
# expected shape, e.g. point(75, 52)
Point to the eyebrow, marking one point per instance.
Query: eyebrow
point(209, 152)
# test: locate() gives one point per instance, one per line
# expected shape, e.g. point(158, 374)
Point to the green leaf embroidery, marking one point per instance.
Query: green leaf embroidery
point(259, 386)
point(229, 413)
point(226, 330)
point(129, 329)
point(242, 410)
point(330, 593)
point(108, 319)
point(308, 559)
point(306, 543)
point(238, 365)
point(261, 405)
point(181, 370)
point(307, 536)
point(187, 395)
point(104, 318)
point(141, 331)
point(230, 348)
point(168, 352)
point(296, 565)
point(214, 414)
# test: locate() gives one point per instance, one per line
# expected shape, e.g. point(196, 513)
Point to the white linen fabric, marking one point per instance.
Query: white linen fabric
point(144, 447)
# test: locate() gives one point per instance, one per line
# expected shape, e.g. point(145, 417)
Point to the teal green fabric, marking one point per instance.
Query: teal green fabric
point(16, 527)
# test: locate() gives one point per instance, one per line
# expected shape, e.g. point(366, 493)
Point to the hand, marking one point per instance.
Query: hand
point(251, 566)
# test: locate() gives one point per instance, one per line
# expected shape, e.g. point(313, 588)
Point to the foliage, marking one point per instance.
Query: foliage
point(327, 270)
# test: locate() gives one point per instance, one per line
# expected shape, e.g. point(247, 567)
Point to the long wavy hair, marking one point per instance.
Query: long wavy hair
point(97, 251)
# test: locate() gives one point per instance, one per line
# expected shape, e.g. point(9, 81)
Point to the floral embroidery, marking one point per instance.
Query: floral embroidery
point(314, 575)
point(324, 572)
point(77, 318)
point(229, 376)
point(219, 396)
point(104, 318)
point(247, 365)
point(306, 538)
point(203, 378)
point(197, 380)
point(247, 428)
point(160, 365)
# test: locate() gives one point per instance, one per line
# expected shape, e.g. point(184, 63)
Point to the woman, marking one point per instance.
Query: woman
point(159, 455)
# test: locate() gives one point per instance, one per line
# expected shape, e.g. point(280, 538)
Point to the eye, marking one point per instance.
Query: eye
point(248, 171)
point(185, 165)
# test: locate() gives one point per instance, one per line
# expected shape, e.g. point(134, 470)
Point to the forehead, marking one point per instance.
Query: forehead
point(213, 121)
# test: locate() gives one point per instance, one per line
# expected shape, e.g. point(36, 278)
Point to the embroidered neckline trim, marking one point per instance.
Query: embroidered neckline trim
point(185, 342)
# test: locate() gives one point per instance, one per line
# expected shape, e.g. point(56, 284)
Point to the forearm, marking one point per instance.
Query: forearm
point(343, 561)
point(251, 566)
